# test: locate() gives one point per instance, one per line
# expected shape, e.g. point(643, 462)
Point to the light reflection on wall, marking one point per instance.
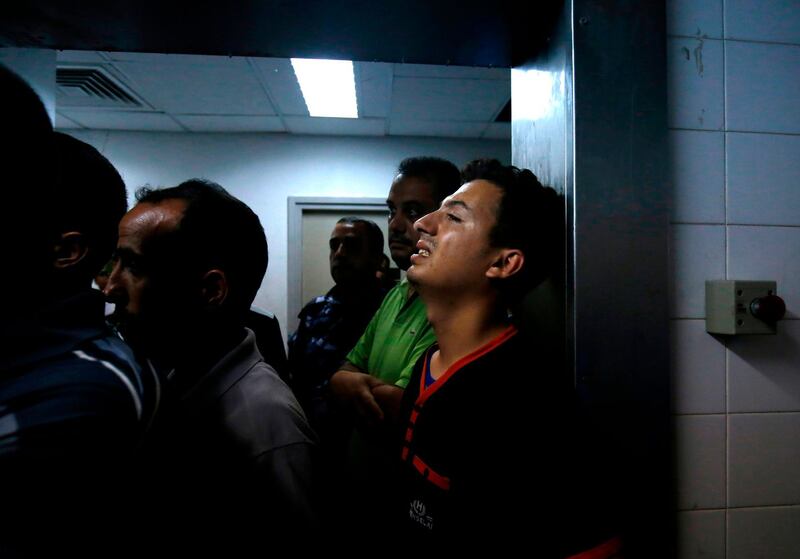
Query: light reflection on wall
point(540, 89)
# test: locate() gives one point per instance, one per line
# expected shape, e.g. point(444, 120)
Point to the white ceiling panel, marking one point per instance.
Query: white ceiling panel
point(175, 85)
point(336, 126)
point(160, 58)
point(374, 88)
point(280, 81)
point(80, 56)
point(498, 131)
point(438, 128)
point(457, 100)
point(224, 123)
point(198, 93)
point(64, 123)
point(451, 72)
point(123, 120)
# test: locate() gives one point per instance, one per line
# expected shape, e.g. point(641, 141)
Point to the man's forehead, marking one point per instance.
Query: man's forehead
point(474, 194)
point(411, 189)
point(349, 229)
point(153, 219)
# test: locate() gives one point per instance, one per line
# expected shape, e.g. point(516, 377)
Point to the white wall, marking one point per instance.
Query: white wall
point(264, 169)
point(734, 111)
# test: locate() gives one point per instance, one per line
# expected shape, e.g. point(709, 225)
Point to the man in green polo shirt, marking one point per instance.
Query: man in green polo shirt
point(370, 383)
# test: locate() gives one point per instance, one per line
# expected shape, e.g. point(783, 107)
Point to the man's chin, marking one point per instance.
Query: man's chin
point(129, 332)
point(402, 258)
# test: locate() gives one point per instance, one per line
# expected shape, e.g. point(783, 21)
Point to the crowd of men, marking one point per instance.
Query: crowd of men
point(411, 415)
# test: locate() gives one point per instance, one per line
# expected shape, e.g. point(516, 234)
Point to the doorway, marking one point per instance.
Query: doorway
point(311, 220)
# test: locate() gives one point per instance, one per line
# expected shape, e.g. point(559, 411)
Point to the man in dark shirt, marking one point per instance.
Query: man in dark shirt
point(331, 324)
point(73, 402)
point(490, 452)
point(233, 451)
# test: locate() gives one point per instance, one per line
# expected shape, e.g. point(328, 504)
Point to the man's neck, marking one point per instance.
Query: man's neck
point(208, 351)
point(464, 325)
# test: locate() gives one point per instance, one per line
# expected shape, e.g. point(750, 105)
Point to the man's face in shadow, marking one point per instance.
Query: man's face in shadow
point(350, 258)
point(409, 199)
point(147, 283)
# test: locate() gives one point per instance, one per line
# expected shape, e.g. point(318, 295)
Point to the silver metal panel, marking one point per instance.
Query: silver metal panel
point(591, 121)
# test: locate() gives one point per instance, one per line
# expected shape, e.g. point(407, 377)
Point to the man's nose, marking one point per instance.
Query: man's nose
point(113, 288)
point(426, 223)
point(339, 252)
point(396, 223)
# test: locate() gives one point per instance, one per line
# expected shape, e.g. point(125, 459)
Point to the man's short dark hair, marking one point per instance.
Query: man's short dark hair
point(442, 175)
point(220, 231)
point(530, 217)
point(374, 233)
point(90, 198)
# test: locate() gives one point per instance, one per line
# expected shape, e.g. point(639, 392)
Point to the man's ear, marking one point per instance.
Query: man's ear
point(509, 261)
point(69, 250)
point(214, 288)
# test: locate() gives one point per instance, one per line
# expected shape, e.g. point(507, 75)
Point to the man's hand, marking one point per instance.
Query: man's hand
point(353, 391)
point(388, 397)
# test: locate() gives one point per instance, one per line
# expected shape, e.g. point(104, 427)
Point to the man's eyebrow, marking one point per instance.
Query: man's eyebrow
point(124, 251)
point(451, 203)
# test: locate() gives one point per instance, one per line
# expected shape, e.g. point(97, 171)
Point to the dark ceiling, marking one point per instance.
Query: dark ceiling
point(469, 33)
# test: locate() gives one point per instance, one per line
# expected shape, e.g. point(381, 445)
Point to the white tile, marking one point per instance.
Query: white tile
point(439, 129)
point(763, 179)
point(279, 78)
point(764, 371)
point(82, 56)
point(123, 120)
point(763, 20)
point(697, 164)
point(762, 87)
point(697, 254)
point(181, 85)
point(701, 535)
point(768, 253)
point(763, 459)
point(161, 58)
point(227, 123)
point(764, 533)
point(448, 99)
point(700, 461)
point(498, 131)
point(335, 126)
point(697, 360)
point(690, 17)
point(694, 84)
point(64, 122)
point(451, 72)
point(374, 88)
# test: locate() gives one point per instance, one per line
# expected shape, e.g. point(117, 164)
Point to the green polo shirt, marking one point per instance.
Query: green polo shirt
point(395, 338)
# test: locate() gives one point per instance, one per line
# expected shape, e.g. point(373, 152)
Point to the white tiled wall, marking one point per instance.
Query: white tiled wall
point(734, 113)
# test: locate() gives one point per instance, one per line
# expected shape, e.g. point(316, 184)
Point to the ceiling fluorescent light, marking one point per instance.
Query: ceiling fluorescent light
point(328, 86)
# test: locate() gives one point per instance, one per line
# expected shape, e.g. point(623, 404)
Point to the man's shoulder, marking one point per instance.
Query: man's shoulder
point(94, 394)
point(262, 411)
point(104, 364)
point(394, 300)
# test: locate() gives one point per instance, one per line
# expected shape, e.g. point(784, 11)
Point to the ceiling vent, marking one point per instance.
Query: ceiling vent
point(93, 87)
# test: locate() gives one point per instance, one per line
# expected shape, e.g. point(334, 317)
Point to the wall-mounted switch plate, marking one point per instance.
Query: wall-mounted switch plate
point(729, 306)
